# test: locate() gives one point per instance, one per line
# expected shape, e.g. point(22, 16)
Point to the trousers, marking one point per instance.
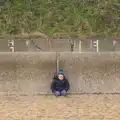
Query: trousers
point(58, 93)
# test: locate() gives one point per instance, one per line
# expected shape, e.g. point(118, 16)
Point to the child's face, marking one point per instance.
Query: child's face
point(60, 77)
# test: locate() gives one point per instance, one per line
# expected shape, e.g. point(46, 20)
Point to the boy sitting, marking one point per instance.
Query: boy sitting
point(60, 84)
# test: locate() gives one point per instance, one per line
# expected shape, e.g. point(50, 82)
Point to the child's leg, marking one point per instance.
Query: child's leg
point(63, 92)
point(57, 93)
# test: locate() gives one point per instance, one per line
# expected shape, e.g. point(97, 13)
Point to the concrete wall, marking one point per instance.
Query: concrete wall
point(58, 45)
point(92, 72)
point(26, 73)
point(32, 72)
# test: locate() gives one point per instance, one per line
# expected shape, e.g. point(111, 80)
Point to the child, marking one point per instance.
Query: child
point(60, 84)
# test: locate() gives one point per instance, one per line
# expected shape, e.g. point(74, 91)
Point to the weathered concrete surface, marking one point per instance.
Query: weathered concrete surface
point(26, 73)
point(31, 73)
point(58, 45)
point(92, 72)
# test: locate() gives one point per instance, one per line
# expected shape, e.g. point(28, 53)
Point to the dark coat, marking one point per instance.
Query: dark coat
point(59, 85)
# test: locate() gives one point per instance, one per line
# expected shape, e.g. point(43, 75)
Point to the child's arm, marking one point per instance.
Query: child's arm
point(67, 85)
point(53, 86)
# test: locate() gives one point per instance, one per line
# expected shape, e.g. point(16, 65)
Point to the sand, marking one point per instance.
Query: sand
point(72, 107)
